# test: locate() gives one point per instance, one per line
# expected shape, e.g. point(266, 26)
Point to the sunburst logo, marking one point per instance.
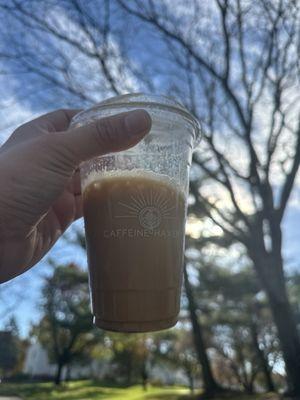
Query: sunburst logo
point(150, 208)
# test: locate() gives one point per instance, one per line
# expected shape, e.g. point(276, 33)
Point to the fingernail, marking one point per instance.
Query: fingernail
point(137, 122)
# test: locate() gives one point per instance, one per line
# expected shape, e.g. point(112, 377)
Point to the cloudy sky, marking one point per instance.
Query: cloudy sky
point(21, 296)
point(25, 96)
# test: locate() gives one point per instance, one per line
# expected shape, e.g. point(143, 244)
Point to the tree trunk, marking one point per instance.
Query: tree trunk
point(58, 373)
point(129, 372)
point(191, 381)
point(248, 386)
point(262, 359)
point(289, 340)
point(238, 347)
point(271, 275)
point(144, 375)
point(210, 385)
point(68, 373)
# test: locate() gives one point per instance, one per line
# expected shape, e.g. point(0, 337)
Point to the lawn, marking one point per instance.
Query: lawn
point(88, 390)
point(84, 390)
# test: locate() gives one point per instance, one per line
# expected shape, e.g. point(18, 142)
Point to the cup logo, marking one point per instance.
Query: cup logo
point(146, 212)
point(148, 207)
point(150, 217)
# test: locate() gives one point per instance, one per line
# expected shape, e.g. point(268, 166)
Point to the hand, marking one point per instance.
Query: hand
point(40, 192)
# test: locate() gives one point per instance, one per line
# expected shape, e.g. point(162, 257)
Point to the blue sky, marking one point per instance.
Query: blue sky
point(26, 288)
point(26, 95)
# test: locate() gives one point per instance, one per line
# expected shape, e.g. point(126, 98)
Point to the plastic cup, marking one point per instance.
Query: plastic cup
point(134, 211)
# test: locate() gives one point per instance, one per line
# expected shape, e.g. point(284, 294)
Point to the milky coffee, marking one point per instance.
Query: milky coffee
point(134, 225)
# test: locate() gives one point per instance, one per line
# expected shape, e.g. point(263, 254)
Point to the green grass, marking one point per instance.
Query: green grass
point(85, 390)
point(88, 390)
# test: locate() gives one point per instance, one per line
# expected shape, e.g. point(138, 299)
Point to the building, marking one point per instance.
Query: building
point(37, 365)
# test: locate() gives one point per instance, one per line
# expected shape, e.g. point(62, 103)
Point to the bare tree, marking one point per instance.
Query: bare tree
point(57, 52)
point(238, 79)
point(210, 385)
point(234, 63)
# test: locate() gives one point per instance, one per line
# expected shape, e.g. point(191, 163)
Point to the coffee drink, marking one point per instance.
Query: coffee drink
point(134, 223)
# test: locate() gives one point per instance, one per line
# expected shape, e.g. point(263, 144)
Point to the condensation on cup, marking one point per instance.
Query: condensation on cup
point(134, 212)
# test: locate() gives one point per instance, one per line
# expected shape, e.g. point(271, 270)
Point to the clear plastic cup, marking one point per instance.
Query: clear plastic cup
point(134, 211)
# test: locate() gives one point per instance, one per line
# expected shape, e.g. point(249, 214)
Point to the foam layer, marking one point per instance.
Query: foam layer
point(131, 174)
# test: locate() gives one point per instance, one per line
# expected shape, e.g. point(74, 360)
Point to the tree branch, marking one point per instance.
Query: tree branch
point(290, 178)
point(223, 7)
point(241, 50)
point(197, 57)
point(207, 206)
point(227, 183)
point(43, 25)
point(101, 58)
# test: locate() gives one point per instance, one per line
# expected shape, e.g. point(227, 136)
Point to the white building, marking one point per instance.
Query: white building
point(37, 364)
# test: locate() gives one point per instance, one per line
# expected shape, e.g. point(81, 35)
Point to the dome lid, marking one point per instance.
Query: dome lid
point(141, 100)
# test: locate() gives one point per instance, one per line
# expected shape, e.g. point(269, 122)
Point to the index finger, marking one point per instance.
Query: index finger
point(54, 121)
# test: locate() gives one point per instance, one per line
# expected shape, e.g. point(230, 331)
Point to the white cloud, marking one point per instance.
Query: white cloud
point(12, 115)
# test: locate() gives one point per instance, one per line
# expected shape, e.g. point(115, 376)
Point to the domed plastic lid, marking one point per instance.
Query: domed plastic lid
point(141, 100)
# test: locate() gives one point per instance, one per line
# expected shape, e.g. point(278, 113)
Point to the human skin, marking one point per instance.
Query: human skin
point(40, 192)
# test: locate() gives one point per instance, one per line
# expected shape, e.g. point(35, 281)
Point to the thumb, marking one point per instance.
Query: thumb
point(105, 135)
